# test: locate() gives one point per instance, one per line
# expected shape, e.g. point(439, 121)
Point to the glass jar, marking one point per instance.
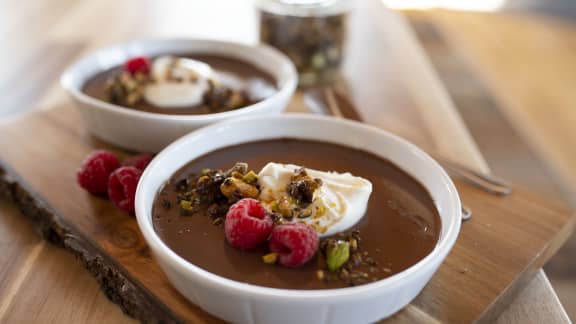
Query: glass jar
point(310, 32)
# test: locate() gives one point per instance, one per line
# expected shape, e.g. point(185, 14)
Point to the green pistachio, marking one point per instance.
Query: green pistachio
point(274, 206)
point(205, 171)
point(250, 177)
point(318, 61)
point(186, 205)
point(337, 255)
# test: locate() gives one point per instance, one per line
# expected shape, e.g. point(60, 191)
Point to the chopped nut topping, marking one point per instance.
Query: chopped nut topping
point(320, 275)
point(270, 258)
point(213, 191)
point(302, 187)
point(337, 253)
point(345, 261)
point(240, 167)
point(186, 205)
point(250, 178)
point(126, 89)
point(219, 98)
point(277, 219)
point(236, 189)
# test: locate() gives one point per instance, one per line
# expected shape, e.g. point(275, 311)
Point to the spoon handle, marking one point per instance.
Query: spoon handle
point(328, 101)
point(480, 180)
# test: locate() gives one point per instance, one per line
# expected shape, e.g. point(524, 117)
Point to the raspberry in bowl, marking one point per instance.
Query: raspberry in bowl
point(144, 94)
point(361, 219)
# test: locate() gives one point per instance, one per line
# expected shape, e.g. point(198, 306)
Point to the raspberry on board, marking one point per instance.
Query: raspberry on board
point(247, 224)
point(295, 243)
point(94, 172)
point(122, 185)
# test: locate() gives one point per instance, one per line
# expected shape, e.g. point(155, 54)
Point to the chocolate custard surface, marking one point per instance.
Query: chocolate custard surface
point(401, 225)
point(231, 73)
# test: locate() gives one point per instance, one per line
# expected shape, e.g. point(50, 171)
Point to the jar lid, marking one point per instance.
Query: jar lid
point(305, 8)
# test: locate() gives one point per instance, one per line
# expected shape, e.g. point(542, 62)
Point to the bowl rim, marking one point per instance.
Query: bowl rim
point(443, 246)
point(285, 89)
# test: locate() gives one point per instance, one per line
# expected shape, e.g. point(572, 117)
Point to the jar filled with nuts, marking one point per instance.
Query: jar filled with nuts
point(310, 32)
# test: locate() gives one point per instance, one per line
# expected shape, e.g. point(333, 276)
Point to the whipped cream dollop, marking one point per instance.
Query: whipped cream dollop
point(337, 205)
point(178, 82)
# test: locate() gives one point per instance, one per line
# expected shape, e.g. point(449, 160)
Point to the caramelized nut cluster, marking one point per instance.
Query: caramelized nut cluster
point(297, 203)
point(126, 89)
point(213, 191)
point(221, 98)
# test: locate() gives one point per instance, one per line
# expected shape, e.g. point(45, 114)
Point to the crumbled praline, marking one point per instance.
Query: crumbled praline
point(302, 186)
point(343, 260)
point(219, 97)
point(213, 191)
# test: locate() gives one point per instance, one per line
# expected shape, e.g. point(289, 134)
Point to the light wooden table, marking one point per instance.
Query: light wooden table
point(41, 283)
point(526, 64)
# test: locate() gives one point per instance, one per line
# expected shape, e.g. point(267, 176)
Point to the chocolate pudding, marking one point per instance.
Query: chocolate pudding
point(400, 227)
point(251, 84)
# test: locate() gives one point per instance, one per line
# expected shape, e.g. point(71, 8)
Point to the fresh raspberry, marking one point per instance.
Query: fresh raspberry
point(122, 187)
point(295, 243)
point(139, 161)
point(94, 172)
point(137, 64)
point(247, 224)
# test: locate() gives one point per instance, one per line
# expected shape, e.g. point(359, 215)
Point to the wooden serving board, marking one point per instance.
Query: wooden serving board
point(507, 240)
point(497, 252)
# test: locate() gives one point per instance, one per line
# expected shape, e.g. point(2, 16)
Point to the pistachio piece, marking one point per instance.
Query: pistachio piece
point(337, 255)
point(304, 213)
point(186, 205)
point(320, 275)
point(206, 171)
point(241, 167)
point(273, 206)
point(320, 209)
point(284, 207)
point(318, 61)
point(251, 177)
point(270, 258)
point(236, 188)
point(353, 244)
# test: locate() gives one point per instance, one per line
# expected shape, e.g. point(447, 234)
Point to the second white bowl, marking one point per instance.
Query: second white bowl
point(150, 132)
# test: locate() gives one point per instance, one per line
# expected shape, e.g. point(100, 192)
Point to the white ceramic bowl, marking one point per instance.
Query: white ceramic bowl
point(244, 303)
point(150, 132)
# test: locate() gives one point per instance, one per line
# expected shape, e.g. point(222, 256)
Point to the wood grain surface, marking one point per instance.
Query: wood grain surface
point(41, 283)
point(51, 26)
point(526, 62)
point(517, 115)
